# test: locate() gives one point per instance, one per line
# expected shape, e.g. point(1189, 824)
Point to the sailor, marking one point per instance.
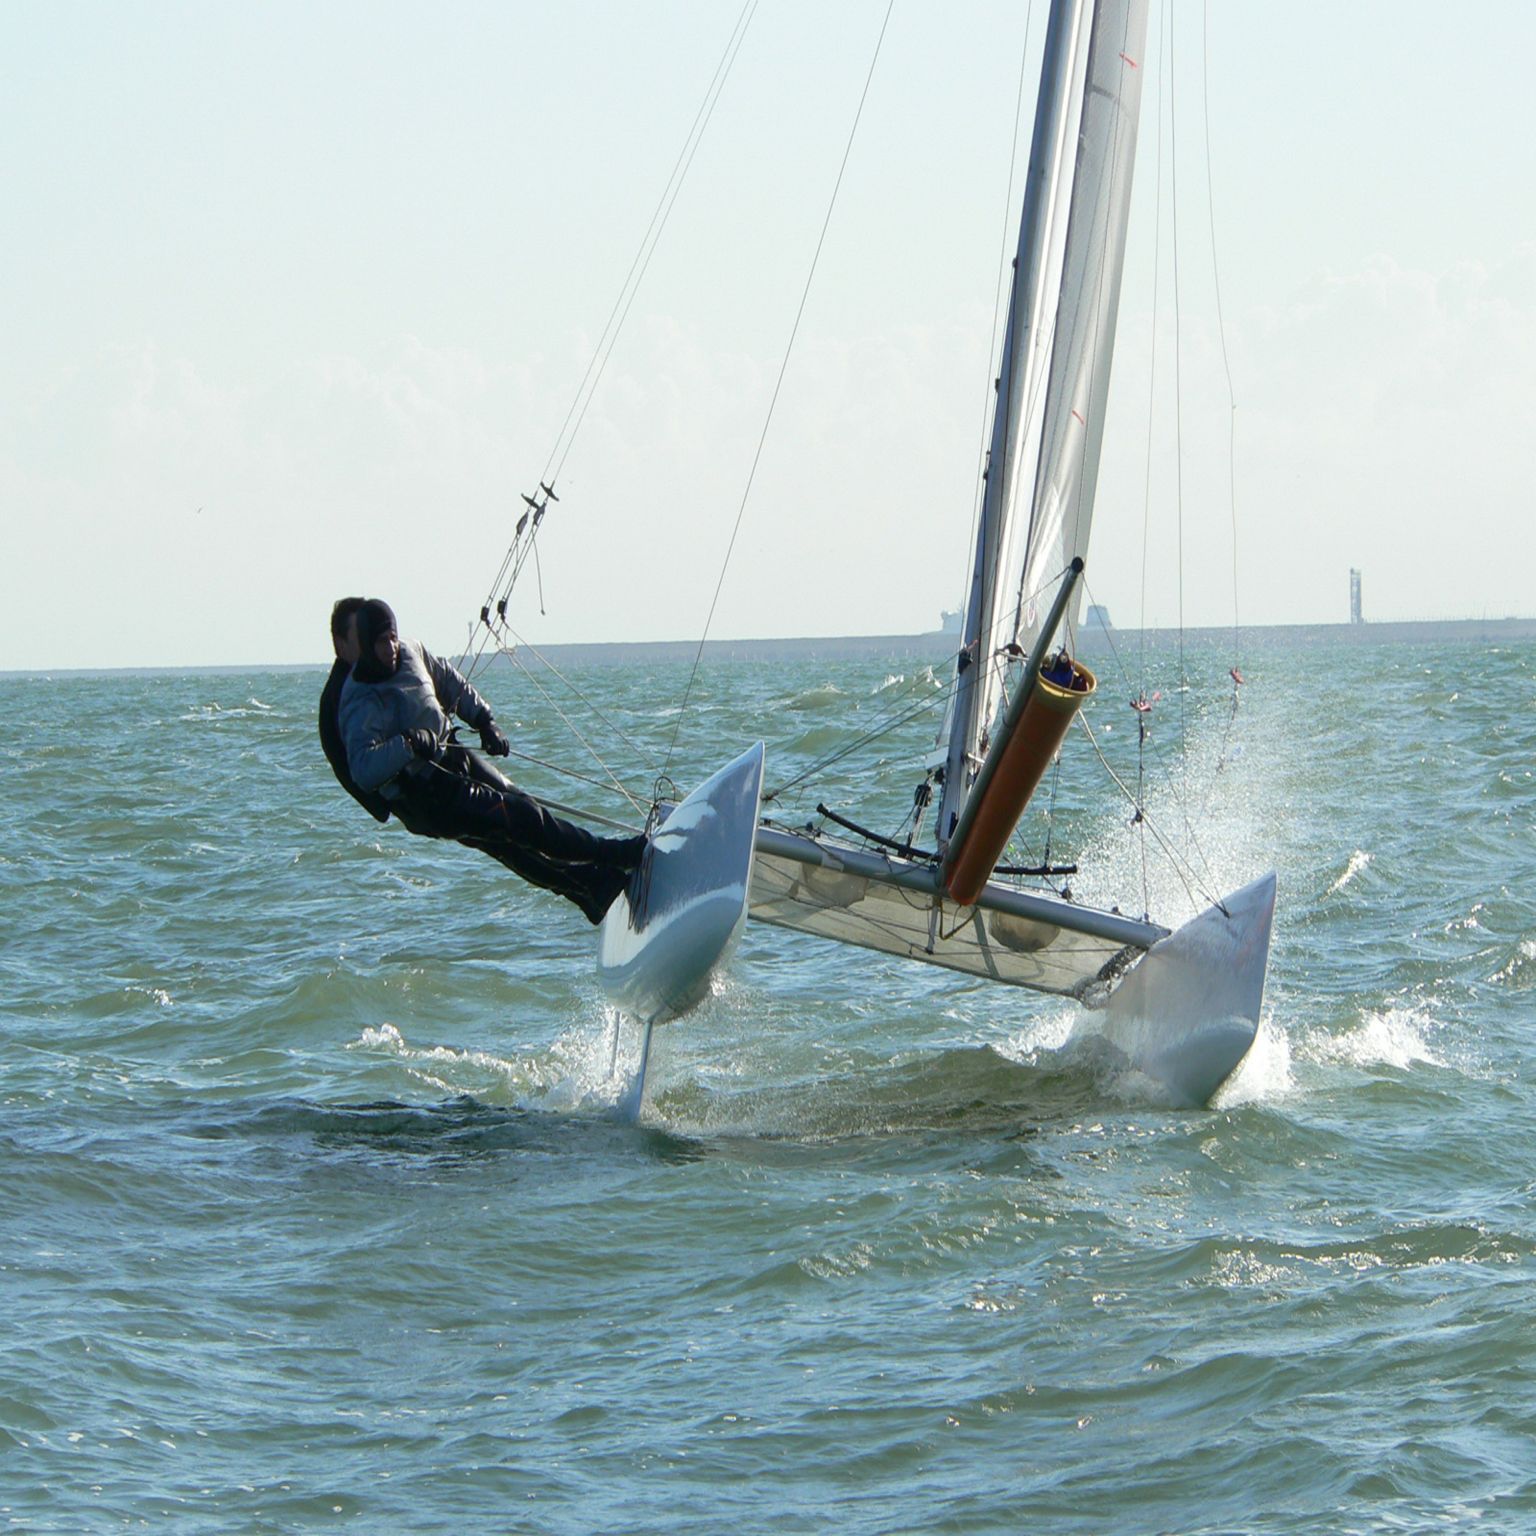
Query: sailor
point(396, 712)
point(344, 643)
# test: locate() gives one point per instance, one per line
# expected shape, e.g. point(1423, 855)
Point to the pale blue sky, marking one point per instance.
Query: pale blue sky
point(299, 295)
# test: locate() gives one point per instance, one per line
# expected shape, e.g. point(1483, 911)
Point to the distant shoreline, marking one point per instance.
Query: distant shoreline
point(940, 643)
point(935, 644)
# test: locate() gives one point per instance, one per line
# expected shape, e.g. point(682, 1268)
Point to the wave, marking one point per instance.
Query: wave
point(824, 696)
point(1392, 1037)
point(1264, 1074)
point(923, 677)
point(1520, 969)
point(216, 711)
point(582, 1070)
point(1359, 861)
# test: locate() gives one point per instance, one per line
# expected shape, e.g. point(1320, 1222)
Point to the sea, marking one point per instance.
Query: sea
point(320, 1208)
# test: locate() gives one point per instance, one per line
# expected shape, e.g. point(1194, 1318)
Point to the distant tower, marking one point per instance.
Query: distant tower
point(1098, 616)
point(1355, 616)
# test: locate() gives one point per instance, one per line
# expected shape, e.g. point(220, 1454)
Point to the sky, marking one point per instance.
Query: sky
point(299, 297)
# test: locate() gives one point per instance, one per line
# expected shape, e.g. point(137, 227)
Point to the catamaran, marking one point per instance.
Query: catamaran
point(1183, 1004)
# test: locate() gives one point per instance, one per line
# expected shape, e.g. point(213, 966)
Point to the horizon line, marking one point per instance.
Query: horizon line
point(1385, 629)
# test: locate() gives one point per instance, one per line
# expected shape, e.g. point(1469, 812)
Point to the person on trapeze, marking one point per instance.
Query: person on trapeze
point(395, 715)
point(344, 643)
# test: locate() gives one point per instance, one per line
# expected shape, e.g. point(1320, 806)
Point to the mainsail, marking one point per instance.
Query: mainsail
point(1046, 433)
point(1049, 420)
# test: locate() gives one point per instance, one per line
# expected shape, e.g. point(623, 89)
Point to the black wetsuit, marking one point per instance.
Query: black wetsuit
point(456, 793)
point(465, 798)
point(335, 750)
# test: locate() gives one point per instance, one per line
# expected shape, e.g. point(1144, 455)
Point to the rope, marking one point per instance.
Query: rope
point(570, 725)
point(602, 715)
point(778, 385)
point(568, 773)
point(663, 212)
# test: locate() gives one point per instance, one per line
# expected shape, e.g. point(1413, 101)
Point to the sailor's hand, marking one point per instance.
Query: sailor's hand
point(422, 742)
point(493, 740)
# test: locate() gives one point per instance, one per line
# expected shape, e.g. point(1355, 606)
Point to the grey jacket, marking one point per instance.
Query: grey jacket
point(375, 716)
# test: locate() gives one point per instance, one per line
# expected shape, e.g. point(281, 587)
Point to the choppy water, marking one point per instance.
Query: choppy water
point(316, 1212)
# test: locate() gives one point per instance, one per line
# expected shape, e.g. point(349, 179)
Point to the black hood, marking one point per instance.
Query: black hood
point(374, 619)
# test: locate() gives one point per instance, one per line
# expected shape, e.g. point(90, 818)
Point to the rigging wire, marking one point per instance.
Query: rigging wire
point(1145, 741)
point(1178, 383)
point(778, 385)
point(881, 727)
point(1191, 882)
point(515, 557)
point(1146, 507)
point(1221, 327)
point(570, 725)
point(1226, 363)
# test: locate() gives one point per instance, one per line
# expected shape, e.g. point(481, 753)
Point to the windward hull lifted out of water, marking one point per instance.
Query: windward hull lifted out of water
point(663, 939)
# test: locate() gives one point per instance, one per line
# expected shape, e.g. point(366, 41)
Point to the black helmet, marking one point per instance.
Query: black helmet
point(375, 619)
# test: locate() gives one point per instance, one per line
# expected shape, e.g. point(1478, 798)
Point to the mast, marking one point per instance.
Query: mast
point(1048, 422)
point(1023, 303)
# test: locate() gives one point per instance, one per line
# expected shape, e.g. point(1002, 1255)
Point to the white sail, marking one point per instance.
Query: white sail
point(1090, 301)
point(1048, 424)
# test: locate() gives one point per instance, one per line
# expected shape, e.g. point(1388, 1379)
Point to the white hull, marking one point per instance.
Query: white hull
point(665, 937)
point(1188, 1013)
